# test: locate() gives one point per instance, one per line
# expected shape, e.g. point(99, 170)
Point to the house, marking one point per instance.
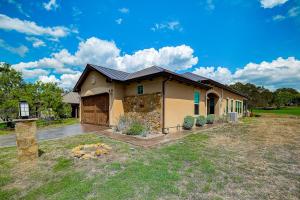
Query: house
point(73, 99)
point(160, 96)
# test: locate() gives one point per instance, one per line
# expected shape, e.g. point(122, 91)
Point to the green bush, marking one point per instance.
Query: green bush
point(210, 119)
point(200, 121)
point(136, 129)
point(188, 122)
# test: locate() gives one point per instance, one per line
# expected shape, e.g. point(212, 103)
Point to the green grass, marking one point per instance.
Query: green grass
point(44, 123)
point(5, 132)
point(281, 111)
point(200, 166)
point(56, 123)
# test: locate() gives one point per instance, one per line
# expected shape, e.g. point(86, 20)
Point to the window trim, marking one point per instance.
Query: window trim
point(197, 104)
point(137, 89)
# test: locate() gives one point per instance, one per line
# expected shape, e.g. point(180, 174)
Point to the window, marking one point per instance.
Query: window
point(231, 106)
point(227, 105)
point(236, 106)
point(140, 89)
point(196, 102)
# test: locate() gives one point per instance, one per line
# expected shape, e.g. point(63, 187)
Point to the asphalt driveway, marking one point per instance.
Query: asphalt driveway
point(52, 133)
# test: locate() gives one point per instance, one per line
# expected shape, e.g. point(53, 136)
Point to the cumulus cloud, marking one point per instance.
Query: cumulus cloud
point(20, 50)
point(271, 3)
point(64, 81)
point(124, 10)
point(36, 42)
point(171, 25)
point(278, 73)
point(51, 5)
point(106, 53)
point(31, 28)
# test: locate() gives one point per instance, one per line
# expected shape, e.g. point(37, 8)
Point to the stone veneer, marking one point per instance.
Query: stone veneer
point(145, 108)
point(27, 146)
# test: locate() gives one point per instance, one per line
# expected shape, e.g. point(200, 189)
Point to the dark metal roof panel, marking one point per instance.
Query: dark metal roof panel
point(111, 73)
point(193, 76)
point(145, 72)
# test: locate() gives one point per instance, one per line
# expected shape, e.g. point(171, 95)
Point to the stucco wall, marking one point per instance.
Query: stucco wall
point(150, 87)
point(179, 102)
point(230, 96)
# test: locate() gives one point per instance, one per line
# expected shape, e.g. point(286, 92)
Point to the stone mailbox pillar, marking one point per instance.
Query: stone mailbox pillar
point(27, 145)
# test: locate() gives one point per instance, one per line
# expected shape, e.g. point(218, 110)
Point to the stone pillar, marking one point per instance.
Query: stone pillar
point(27, 145)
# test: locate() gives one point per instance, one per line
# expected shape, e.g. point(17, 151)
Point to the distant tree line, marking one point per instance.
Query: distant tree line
point(260, 97)
point(45, 99)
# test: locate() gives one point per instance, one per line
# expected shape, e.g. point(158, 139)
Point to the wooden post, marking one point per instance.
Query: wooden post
point(27, 145)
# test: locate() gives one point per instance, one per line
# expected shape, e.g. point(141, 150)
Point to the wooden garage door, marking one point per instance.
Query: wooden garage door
point(95, 110)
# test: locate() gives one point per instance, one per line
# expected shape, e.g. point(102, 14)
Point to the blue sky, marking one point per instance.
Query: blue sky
point(254, 41)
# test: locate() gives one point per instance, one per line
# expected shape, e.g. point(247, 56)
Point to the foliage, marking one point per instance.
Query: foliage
point(262, 97)
point(136, 128)
point(200, 121)
point(44, 99)
point(123, 123)
point(188, 122)
point(11, 89)
point(210, 119)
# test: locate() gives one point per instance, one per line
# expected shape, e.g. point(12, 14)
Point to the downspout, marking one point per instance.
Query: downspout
point(163, 103)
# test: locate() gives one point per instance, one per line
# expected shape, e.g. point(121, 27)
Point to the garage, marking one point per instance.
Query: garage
point(95, 109)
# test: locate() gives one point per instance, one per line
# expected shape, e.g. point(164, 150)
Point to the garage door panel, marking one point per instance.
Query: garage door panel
point(95, 109)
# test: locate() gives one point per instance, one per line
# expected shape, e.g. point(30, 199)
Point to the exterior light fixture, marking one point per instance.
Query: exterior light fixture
point(24, 110)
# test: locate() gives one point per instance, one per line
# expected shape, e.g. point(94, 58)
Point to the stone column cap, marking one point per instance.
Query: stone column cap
point(25, 120)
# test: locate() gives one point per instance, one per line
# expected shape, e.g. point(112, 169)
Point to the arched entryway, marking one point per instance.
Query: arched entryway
point(212, 104)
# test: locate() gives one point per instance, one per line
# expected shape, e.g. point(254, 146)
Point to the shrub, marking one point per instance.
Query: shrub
point(210, 119)
point(123, 123)
point(136, 129)
point(188, 122)
point(200, 121)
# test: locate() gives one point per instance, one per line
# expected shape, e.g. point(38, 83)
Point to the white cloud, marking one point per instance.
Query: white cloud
point(106, 53)
point(221, 74)
point(31, 28)
point(20, 50)
point(119, 21)
point(294, 12)
point(171, 25)
point(278, 73)
point(36, 42)
point(33, 73)
point(124, 10)
point(48, 79)
point(51, 5)
point(278, 18)
point(272, 3)
point(64, 81)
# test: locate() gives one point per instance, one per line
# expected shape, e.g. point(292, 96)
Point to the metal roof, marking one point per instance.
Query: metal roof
point(71, 97)
point(121, 76)
point(111, 73)
point(193, 76)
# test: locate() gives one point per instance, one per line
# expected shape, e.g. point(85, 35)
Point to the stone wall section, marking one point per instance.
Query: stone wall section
point(27, 145)
point(145, 108)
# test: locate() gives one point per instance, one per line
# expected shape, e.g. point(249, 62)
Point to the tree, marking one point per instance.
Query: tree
point(11, 87)
point(284, 96)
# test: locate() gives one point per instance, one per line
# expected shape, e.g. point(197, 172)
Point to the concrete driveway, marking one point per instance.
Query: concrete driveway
point(52, 133)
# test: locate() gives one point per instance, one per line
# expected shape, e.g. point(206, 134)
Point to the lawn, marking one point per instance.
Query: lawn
point(281, 111)
point(255, 159)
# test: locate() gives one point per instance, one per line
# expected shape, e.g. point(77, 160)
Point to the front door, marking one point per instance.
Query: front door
point(211, 105)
